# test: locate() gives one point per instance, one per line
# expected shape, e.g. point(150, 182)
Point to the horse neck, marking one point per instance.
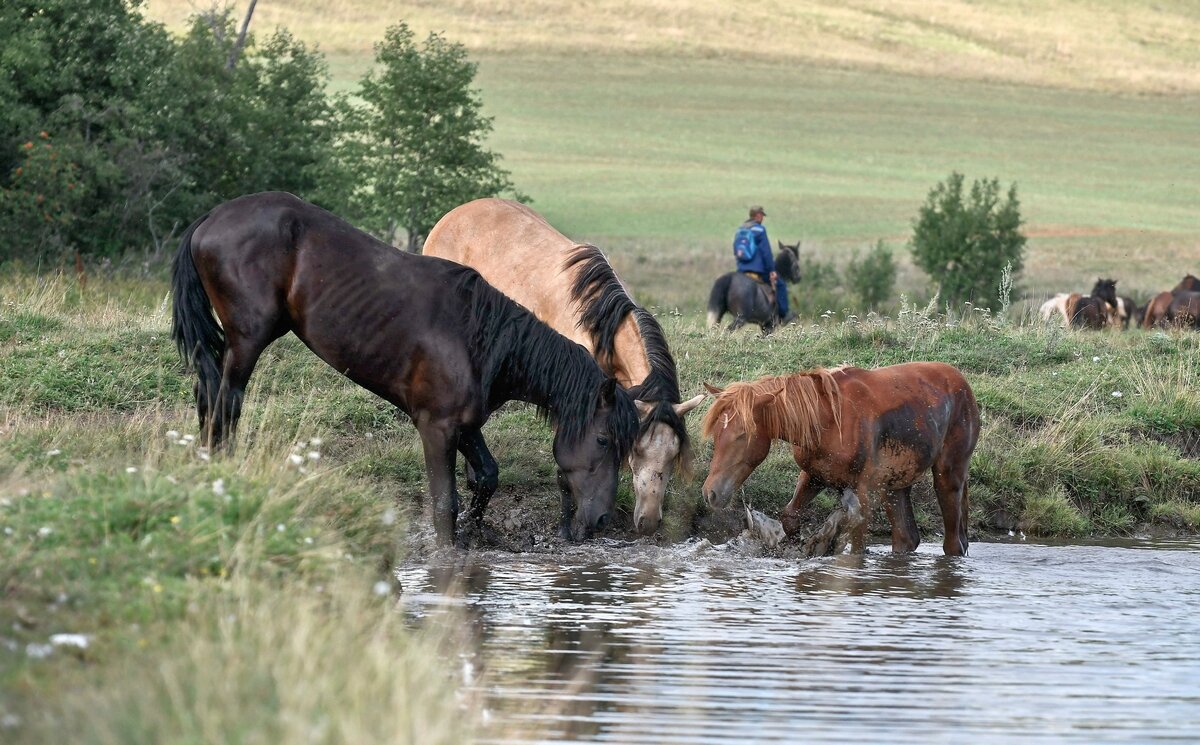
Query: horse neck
point(546, 370)
point(798, 426)
point(630, 362)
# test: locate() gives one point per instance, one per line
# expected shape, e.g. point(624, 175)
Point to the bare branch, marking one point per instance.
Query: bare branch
point(241, 40)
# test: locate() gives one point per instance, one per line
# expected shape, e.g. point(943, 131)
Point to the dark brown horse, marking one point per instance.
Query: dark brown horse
point(751, 301)
point(427, 335)
point(1184, 310)
point(871, 433)
point(1093, 311)
point(1189, 283)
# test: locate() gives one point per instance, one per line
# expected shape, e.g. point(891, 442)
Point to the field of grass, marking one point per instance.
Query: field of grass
point(1134, 45)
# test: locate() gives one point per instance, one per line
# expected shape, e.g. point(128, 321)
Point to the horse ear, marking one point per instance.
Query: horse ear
point(779, 243)
point(713, 389)
point(643, 408)
point(764, 399)
point(683, 408)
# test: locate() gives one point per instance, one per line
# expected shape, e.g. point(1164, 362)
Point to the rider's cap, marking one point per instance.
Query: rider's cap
point(757, 210)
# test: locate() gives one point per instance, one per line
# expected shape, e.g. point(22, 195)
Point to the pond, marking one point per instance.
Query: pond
point(695, 644)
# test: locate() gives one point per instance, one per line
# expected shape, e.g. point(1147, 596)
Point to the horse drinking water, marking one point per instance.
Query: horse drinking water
point(427, 335)
point(871, 433)
point(573, 288)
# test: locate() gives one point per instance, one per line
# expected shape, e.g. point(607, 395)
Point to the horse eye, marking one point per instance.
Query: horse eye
point(602, 441)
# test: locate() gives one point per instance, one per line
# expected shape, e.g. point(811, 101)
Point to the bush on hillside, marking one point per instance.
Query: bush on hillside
point(872, 278)
point(965, 244)
point(417, 142)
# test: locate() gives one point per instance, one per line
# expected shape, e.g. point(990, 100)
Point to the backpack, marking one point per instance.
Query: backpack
point(744, 246)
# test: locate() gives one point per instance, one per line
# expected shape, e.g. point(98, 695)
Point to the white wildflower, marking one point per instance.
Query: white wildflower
point(1117, 394)
point(54, 452)
point(70, 640)
point(296, 459)
point(189, 438)
point(172, 434)
point(389, 516)
point(38, 651)
point(314, 455)
point(308, 540)
point(131, 469)
point(1095, 359)
point(280, 527)
point(181, 442)
point(44, 531)
point(316, 442)
point(381, 588)
point(218, 487)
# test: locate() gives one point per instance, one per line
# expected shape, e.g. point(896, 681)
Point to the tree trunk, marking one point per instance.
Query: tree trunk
point(240, 44)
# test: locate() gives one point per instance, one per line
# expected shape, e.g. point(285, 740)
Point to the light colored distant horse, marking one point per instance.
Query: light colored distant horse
point(1056, 304)
point(573, 288)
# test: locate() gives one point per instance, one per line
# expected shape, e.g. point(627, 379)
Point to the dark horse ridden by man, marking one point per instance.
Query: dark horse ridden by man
point(427, 335)
point(749, 300)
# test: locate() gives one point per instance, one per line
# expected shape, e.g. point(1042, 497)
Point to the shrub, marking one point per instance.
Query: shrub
point(873, 277)
point(417, 141)
point(965, 245)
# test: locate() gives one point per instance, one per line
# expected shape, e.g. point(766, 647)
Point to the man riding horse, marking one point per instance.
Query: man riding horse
point(752, 249)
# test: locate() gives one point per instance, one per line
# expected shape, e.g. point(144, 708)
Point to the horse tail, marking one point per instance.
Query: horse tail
point(199, 338)
point(717, 304)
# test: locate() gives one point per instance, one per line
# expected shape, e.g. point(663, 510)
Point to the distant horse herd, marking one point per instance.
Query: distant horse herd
point(1178, 307)
point(504, 307)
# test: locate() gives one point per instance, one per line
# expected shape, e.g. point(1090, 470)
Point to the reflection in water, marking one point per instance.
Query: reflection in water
point(1016, 642)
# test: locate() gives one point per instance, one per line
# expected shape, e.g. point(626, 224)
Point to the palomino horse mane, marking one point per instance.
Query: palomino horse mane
point(509, 340)
point(606, 305)
point(794, 415)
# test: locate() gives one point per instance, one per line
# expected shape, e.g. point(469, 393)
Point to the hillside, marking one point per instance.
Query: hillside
point(1139, 45)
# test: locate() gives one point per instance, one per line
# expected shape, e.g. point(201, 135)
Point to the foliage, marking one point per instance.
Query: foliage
point(819, 289)
point(966, 246)
point(872, 278)
point(114, 135)
point(417, 142)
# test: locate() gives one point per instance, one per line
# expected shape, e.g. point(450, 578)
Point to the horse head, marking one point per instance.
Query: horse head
point(787, 262)
point(660, 449)
point(589, 462)
point(739, 446)
point(1106, 290)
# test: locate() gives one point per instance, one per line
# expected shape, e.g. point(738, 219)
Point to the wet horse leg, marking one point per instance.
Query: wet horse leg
point(950, 483)
point(483, 478)
point(806, 488)
point(905, 535)
point(439, 441)
point(857, 504)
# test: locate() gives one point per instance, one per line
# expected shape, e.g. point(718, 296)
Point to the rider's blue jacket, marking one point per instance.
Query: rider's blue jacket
point(763, 261)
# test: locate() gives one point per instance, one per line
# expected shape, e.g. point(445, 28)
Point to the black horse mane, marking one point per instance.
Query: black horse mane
point(509, 342)
point(606, 305)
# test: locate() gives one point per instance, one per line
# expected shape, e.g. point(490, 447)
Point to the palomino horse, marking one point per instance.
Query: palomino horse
point(749, 301)
point(573, 289)
point(872, 433)
point(427, 335)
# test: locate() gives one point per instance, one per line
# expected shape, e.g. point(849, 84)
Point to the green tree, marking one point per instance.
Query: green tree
point(873, 277)
point(965, 245)
point(417, 142)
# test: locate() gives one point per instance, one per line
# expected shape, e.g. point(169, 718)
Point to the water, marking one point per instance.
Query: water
point(1018, 642)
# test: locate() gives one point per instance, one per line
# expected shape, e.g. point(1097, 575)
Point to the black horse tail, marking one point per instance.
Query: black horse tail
point(717, 303)
point(199, 338)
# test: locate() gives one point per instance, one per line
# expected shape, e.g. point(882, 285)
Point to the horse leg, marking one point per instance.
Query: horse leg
point(736, 323)
point(484, 477)
point(439, 441)
point(905, 535)
point(806, 489)
point(219, 416)
point(950, 483)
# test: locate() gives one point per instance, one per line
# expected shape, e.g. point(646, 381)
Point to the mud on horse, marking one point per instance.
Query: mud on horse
point(870, 433)
point(427, 335)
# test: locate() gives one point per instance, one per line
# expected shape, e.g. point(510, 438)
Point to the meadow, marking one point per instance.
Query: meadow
point(647, 133)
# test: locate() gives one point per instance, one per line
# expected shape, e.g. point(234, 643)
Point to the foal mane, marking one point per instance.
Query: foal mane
point(795, 415)
point(606, 305)
point(508, 342)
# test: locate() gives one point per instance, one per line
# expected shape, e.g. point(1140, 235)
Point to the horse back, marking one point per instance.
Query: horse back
point(391, 321)
point(897, 421)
